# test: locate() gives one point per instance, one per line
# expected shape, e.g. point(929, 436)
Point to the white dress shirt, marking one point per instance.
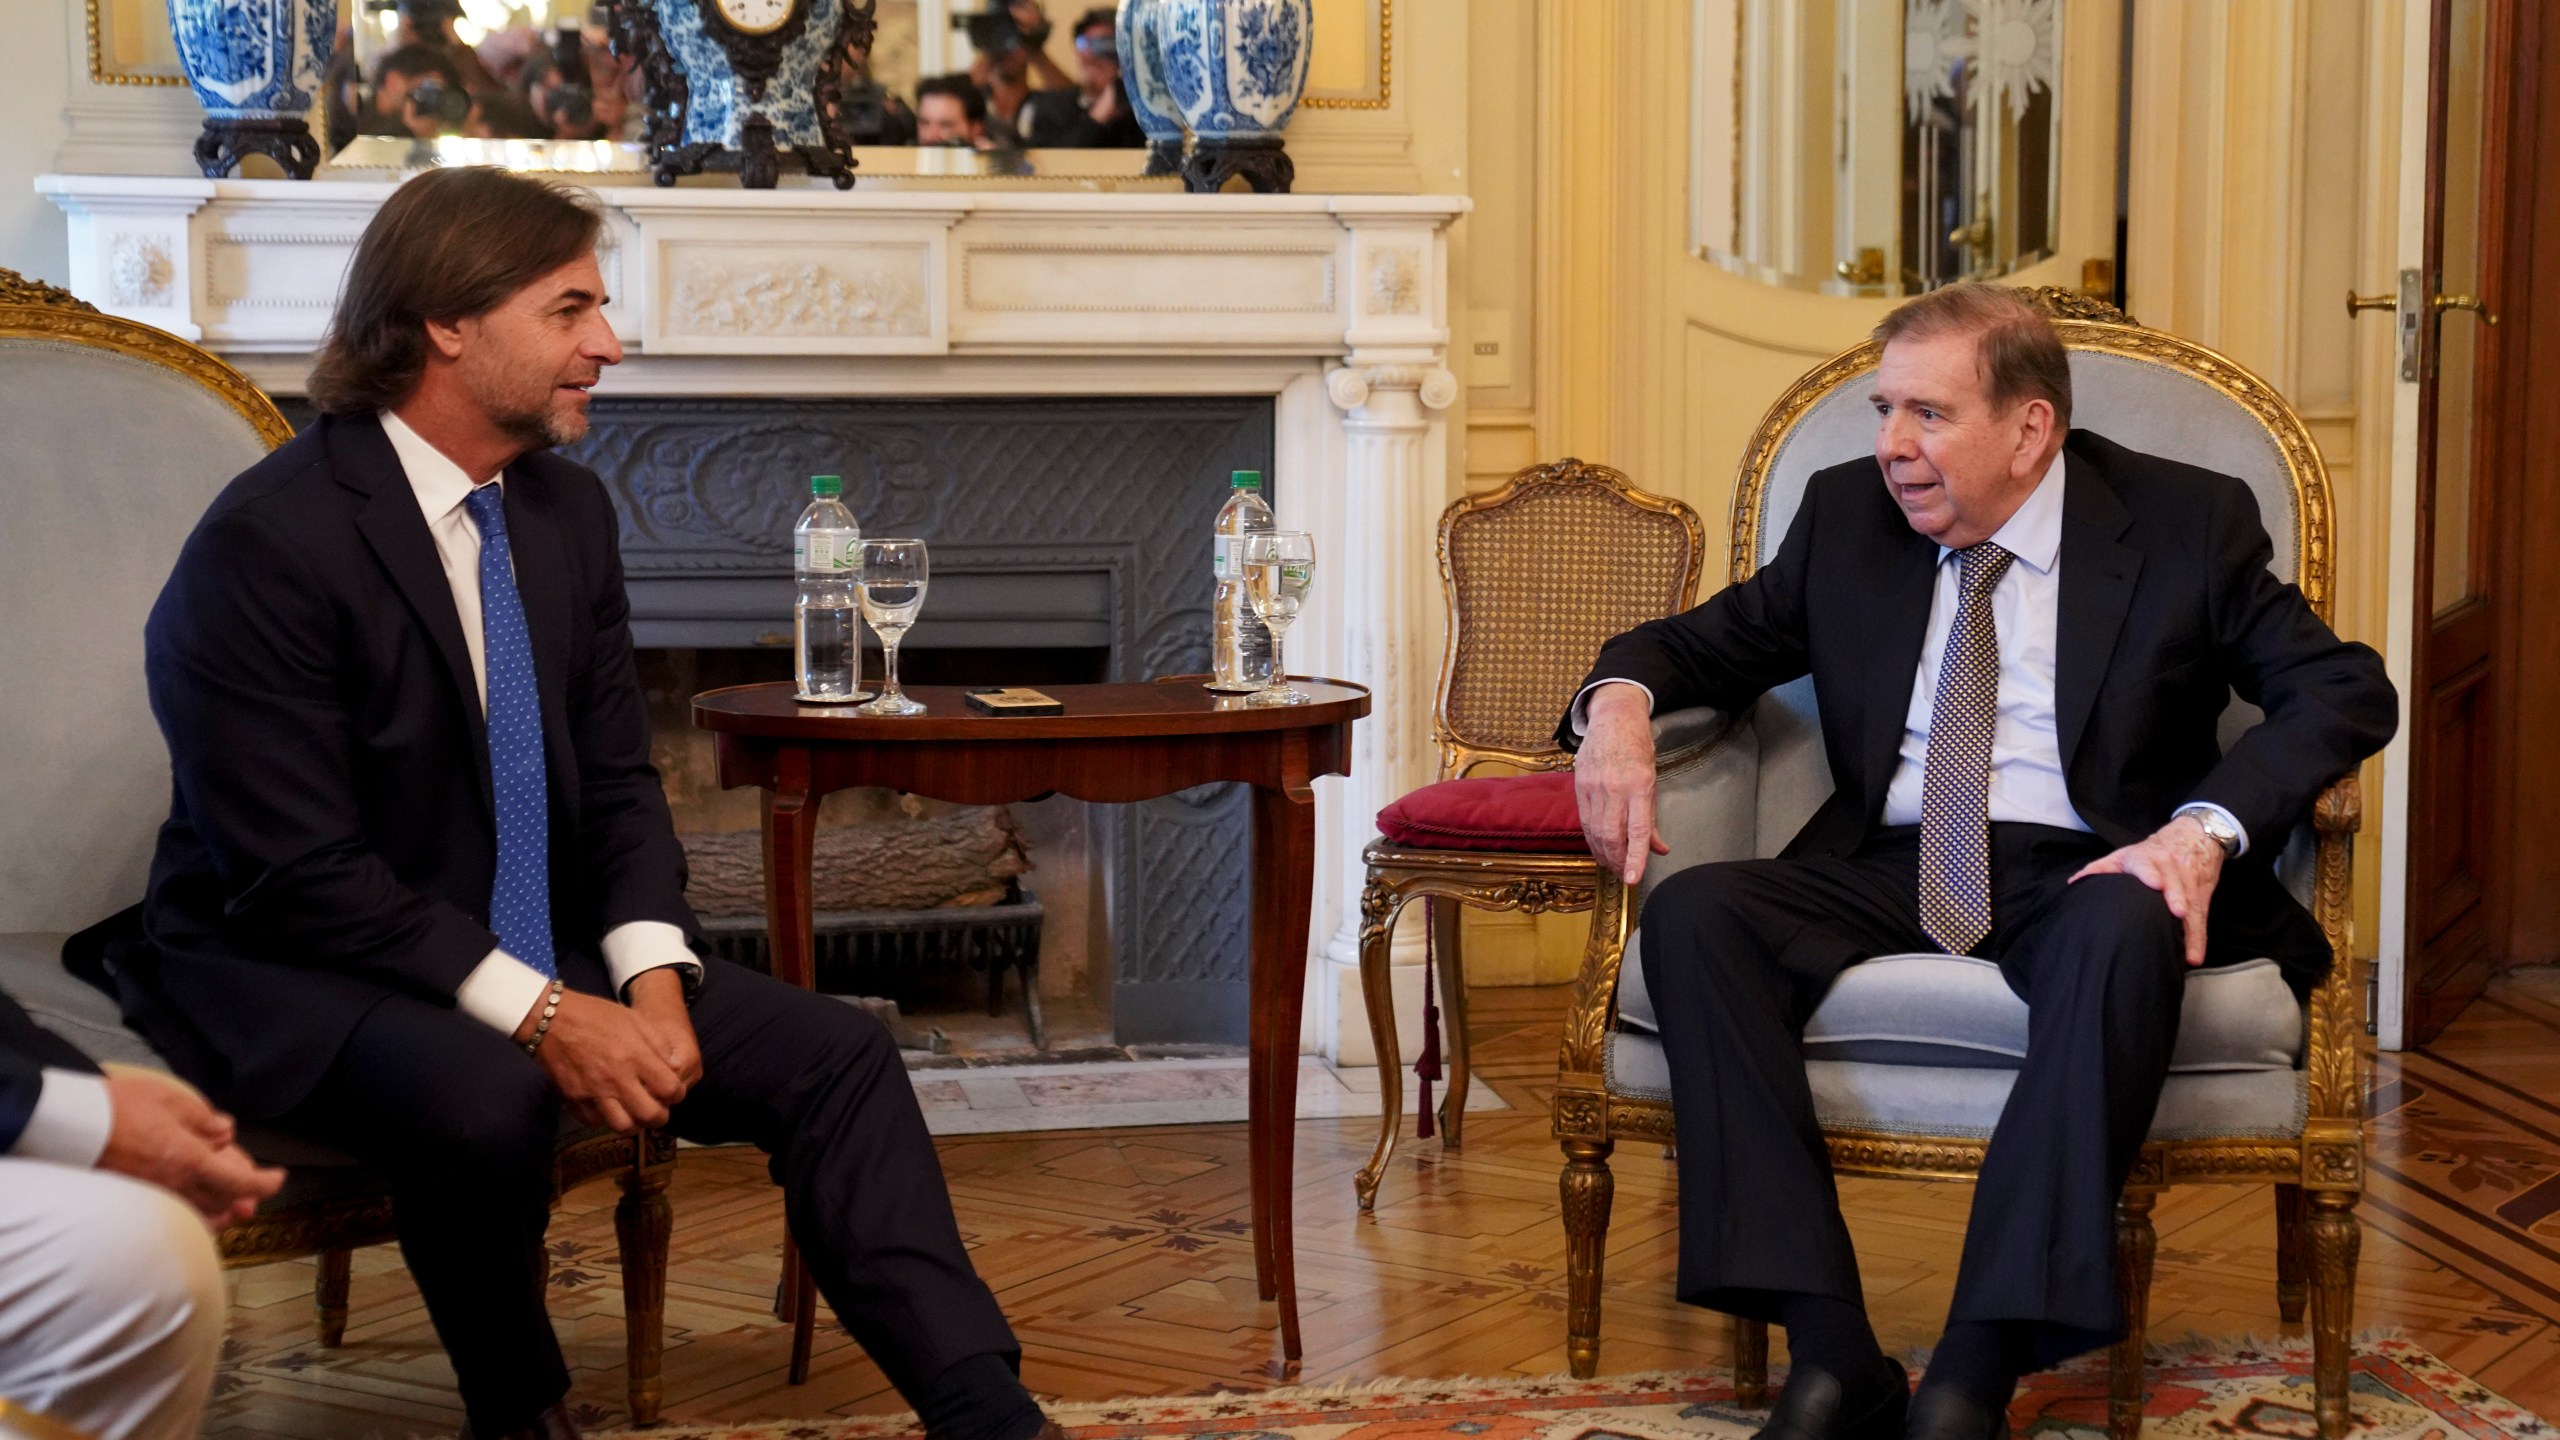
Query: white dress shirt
point(501, 990)
point(70, 1121)
point(2026, 742)
point(2027, 782)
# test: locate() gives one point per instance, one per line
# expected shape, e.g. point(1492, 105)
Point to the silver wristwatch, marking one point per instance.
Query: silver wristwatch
point(2216, 824)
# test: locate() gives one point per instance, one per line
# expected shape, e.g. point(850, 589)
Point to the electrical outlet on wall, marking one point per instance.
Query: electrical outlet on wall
point(1489, 360)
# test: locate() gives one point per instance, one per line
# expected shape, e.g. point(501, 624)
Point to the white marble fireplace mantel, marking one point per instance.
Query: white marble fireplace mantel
point(1334, 305)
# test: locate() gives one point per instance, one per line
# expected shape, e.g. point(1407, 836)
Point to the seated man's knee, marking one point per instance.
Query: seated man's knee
point(507, 1120)
point(126, 1313)
point(1699, 895)
point(2120, 903)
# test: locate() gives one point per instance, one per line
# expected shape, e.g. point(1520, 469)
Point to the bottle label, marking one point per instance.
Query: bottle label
point(1221, 557)
point(822, 552)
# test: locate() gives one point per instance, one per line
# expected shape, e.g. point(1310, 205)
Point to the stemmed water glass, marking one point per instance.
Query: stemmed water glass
point(892, 585)
point(1279, 565)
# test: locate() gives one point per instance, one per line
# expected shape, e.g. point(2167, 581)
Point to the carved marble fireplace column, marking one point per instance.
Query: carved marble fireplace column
point(1395, 483)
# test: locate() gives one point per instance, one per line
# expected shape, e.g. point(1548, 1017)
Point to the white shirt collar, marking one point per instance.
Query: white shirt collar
point(2034, 531)
point(440, 484)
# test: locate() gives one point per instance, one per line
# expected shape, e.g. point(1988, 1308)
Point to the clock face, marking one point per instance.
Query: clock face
point(756, 17)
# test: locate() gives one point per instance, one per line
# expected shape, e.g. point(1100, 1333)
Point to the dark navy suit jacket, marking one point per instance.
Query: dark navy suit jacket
point(331, 838)
point(2167, 608)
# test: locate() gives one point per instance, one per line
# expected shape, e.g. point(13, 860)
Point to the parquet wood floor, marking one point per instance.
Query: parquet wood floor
point(1124, 1257)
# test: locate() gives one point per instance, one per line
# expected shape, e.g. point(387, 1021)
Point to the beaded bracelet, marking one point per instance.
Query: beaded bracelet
point(550, 1007)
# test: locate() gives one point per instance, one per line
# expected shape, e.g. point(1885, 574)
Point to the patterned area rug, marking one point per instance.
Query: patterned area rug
point(2199, 1392)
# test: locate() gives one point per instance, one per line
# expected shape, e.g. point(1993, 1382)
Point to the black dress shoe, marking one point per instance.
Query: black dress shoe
point(1816, 1406)
point(1941, 1412)
point(551, 1424)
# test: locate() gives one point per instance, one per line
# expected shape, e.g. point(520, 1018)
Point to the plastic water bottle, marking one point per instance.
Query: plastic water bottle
point(826, 560)
point(1240, 654)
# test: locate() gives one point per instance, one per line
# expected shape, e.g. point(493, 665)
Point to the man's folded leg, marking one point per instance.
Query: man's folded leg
point(819, 1086)
point(2103, 973)
point(463, 1124)
point(1736, 957)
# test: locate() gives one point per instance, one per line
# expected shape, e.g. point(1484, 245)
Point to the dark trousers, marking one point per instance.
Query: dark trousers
point(464, 1123)
point(1738, 955)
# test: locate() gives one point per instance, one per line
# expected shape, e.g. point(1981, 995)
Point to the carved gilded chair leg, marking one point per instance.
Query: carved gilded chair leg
point(2335, 1240)
point(1445, 920)
point(1588, 1188)
point(2136, 1244)
point(2293, 1261)
point(1379, 904)
point(1750, 1362)
point(329, 1296)
point(643, 1221)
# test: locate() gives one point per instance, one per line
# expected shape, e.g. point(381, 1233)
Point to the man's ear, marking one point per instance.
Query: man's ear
point(445, 337)
point(2035, 428)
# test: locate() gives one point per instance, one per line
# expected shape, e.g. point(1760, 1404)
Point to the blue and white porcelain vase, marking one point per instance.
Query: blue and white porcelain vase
point(1236, 69)
point(1141, 34)
point(254, 65)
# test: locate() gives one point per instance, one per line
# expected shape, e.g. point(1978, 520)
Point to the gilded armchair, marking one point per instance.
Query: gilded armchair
point(2279, 1103)
point(1537, 574)
point(117, 436)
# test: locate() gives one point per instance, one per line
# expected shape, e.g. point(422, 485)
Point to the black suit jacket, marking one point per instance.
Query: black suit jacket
point(2167, 608)
point(27, 1050)
point(331, 839)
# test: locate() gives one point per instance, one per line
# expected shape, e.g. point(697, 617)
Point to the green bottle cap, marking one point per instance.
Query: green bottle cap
point(826, 487)
point(1246, 480)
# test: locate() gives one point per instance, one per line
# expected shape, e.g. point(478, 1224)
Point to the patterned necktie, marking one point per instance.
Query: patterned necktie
point(1955, 794)
point(520, 900)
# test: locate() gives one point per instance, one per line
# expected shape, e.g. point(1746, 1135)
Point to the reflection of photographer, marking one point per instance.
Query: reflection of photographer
point(864, 110)
point(416, 92)
point(951, 110)
point(1011, 39)
point(1096, 114)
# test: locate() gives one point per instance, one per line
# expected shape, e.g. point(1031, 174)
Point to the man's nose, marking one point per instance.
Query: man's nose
point(1894, 438)
point(601, 345)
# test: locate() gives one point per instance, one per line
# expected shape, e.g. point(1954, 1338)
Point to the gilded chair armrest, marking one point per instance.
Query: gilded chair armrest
point(2340, 808)
point(2335, 1012)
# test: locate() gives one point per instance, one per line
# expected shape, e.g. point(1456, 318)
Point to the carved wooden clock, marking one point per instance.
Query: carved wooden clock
point(737, 85)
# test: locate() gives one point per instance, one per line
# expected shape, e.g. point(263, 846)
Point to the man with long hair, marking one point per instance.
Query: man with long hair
point(419, 890)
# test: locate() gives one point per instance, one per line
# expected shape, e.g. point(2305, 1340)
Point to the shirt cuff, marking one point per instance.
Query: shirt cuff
point(500, 991)
point(635, 947)
point(70, 1122)
point(1581, 712)
point(2227, 818)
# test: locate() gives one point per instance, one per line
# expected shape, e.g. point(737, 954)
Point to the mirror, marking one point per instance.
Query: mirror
point(535, 84)
point(1875, 147)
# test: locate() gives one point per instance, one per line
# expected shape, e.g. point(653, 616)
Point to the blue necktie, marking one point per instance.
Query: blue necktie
point(520, 901)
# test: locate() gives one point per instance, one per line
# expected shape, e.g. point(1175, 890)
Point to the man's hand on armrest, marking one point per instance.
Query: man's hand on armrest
point(614, 1067)
point(1613, 780)
point(165, 1133)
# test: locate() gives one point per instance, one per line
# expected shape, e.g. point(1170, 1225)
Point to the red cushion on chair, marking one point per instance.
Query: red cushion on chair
point(1533, 813)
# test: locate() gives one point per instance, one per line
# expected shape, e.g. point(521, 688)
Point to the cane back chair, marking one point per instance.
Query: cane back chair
point(1536, 575)
point(2263, 1090)
point(117, 436)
